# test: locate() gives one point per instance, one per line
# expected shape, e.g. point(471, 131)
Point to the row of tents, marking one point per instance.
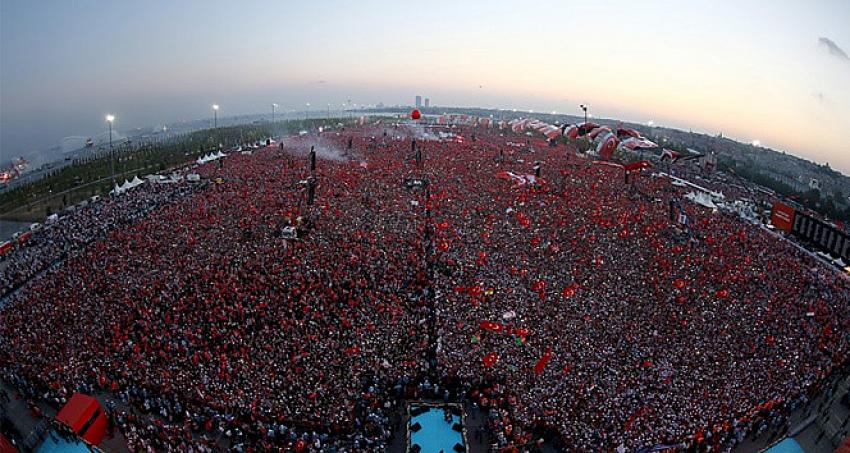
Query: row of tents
point(128, 185)
point(210, 157)
point(175, 177)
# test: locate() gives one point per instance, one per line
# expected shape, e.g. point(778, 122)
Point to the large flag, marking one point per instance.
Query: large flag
point(633, 143)
point(544, 359)
point(669, 154)
point(637, 165)
point(488, 325)
point(623, 132)
point(607, 164)
point(607, 143)
point(519, 179)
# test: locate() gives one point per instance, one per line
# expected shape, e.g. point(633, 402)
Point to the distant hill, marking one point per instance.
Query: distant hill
point(817, 186)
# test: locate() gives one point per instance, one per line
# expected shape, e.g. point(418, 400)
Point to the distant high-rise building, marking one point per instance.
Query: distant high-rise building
point(418, 101)
point(427, 103)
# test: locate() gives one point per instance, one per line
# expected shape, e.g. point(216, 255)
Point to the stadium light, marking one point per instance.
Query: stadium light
point(584, 107)
point(110, 118)
point(215, 116)
point(274, 106)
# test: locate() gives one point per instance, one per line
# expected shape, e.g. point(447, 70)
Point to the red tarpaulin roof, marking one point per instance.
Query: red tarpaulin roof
point(85, 417)
point(844, 448)
point(6, 446)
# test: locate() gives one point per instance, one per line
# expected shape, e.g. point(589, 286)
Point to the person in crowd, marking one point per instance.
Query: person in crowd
point(571, 309)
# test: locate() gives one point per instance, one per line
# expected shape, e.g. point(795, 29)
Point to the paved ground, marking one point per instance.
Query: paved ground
point(477, 437)
point(474, 420)
point(31, 428)
point(820, 427)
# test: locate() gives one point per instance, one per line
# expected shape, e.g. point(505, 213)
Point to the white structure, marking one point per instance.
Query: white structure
point(210, 157)
point(814, 184)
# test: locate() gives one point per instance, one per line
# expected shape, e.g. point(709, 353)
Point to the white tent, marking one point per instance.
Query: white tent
point(702, 199)
point(210, 157)
point(118, 190)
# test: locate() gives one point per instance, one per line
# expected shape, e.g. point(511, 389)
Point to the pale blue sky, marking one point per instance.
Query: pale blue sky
point(752, 69)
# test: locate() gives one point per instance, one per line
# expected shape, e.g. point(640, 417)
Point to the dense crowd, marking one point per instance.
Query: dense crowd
point(574, 305)
point(654, 335)
point(78, 228)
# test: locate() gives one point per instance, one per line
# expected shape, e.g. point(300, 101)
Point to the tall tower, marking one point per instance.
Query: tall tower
point(427, 103)
point(418, 101)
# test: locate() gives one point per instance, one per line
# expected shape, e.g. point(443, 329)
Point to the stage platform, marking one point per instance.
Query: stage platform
point(429, 431)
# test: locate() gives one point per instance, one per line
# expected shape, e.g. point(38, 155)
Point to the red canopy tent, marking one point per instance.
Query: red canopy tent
point(85, 417)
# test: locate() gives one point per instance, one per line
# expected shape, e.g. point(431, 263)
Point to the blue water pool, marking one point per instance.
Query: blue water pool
point(436, 433)
point(788, 445)
point(56, 444)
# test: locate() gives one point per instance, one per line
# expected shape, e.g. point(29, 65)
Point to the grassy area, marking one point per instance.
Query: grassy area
point(92, 175)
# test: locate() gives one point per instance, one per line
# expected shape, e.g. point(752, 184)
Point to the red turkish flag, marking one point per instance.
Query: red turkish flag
point(490, 359)
point(541, 364)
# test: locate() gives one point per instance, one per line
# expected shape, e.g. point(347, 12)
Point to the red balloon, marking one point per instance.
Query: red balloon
point(416, 114)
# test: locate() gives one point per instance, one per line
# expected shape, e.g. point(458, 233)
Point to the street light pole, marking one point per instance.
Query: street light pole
point(584, 107)
point(273, 107)
point(306, 111)
point(109, 120)
point(215, 116)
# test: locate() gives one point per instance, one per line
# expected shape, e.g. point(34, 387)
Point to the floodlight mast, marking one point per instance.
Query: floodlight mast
point(110, 118)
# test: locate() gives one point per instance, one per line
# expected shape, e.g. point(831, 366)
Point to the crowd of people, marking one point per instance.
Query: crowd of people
point(570, 306)
point(78, 228)
point(648, 332)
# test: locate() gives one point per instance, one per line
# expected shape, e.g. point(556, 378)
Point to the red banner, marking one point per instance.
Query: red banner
point(782, 216)
point(637, 165)
point(541, 364)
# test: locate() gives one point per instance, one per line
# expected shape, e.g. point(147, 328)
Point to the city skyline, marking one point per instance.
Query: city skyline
point(780, 79)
